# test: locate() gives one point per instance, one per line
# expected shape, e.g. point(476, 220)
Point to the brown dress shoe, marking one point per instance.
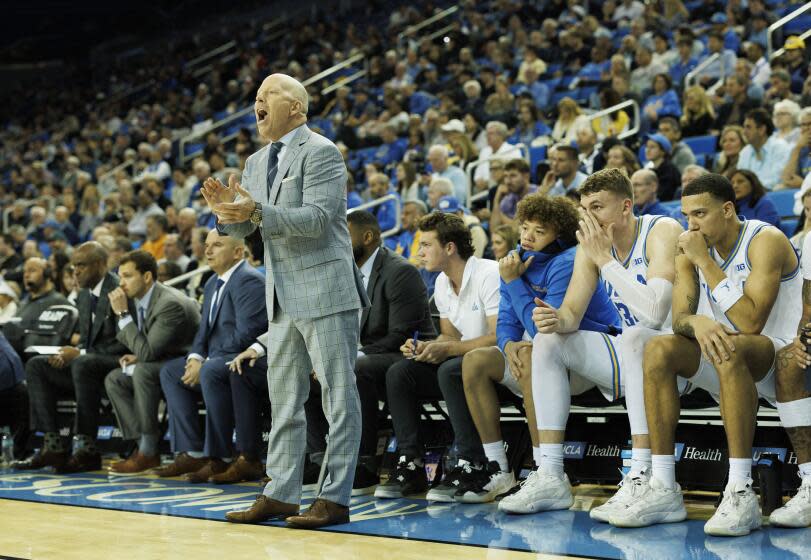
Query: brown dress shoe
point(56, 459)
point(261, 510)
point(320, 514)
point(136, 463)
point(81, 462)
point(240, 470)
point(212, 467)
point(183, 463)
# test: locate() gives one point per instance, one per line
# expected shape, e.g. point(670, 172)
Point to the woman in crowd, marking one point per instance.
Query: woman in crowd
point(699, 114)
point(614, 123)
point(530, 126)
point(464, 149)
point(570, 118)
point(621, 157)
point(657, 152)
point(785, 115)
point(407, 184)
point(500, 105)
point(804, 223)
point(732, 142)
point(663, 101)
point(503, 240)
point(750, 198)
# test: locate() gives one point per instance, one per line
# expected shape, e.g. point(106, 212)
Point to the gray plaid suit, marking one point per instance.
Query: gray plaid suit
point(313, 292)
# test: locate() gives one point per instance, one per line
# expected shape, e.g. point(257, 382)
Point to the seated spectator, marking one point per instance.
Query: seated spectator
point(682, 155)
point(597, 68)
point(563, 177)
point(804, 223)
point(614, 123)
point(699, 115)
point(763, 154)
point(662, 102)
point(731, 142)
point(503, 239)
point(724, 65)
point(500, 105)
point(391, 150)
point(796, 61)
point(13, 396)
point(646, 70)
point(162, 328)
point(8, 302)
point(570, 117)
point(156, 230)
point(530, 126)
point(399, 307)
point(467, 298)
point(534, 90)
point(77, 371)
point(497, 146)
point(785, 117)
point(438, 158)
point(531, 61)
point(691, 172)
point(186, 221)
point(646, 186)
point(751, 202)
point(157, 168)
point(743, 69)
point(233, 316)
point(386, 213)
point(798, 165)
point(736, 107)
point(755, 54)
point(780, 89)
point(146, 207)
point(657, 152)
point(168, 270)
point(621, 157)
point(406, 242)
point(590, 157)
point(353, 199)
point(10, 259)
point(462, 146)
point(408, 186)
point(450, 205)
point(516, 186)
point(685, 62)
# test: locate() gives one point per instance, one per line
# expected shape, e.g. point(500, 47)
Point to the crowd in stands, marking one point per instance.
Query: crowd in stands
point(470, 123)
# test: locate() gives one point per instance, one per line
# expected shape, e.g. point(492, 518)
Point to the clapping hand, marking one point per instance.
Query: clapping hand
point(224, 202)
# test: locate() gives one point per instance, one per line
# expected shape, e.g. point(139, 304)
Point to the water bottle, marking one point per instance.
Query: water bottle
point(77, 444)
point(7, 457)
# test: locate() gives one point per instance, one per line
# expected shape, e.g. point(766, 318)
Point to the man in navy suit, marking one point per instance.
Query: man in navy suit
point(233, 316)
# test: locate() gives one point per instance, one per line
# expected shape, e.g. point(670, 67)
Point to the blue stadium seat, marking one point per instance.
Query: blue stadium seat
point(788, 226)
point(190, 149)
point(783, 201)
point(422, 101)
point(702, 144)
point(536, 155)
point(798, 25)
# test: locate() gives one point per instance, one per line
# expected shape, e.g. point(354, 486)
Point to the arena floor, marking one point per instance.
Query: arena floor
point(95, 516)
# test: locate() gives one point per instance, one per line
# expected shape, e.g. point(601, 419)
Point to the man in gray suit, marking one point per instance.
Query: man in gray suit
point(163, 327)
point(294, 190)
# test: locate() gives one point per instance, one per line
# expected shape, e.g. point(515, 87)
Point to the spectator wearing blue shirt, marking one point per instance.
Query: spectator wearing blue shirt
point(386, 213)
point(391, 151)
point(597, 68)
point(751, 202)
point(798, 166)
point(732, 41)
point(646, 186)
point(353, 199)
point(438, 158)
point(686, 61)
point(764, 154)
point(537, 90)
point(663, 102)
point(722, 66)
point(530, 126)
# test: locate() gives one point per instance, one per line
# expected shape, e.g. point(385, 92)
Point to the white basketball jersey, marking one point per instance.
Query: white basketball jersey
point(787, 309)
point(637, 264)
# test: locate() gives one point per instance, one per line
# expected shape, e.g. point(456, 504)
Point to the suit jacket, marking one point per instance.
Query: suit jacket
point(170, 322)
point(98, 335)
point(399, 305)
point(308, 255)
point(240, 315)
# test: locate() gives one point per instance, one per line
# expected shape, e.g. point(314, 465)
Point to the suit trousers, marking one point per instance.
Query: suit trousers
point(231, 400)
point(407, 383)
point(135, 399)
point(370, 374)
point(83, 380)
point(328, 346)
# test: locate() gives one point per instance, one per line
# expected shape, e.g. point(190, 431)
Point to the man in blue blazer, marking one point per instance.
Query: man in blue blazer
point(233, 317)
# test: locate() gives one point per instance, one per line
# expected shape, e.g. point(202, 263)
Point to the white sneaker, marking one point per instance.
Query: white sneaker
point(797, 511)
point(653, 504)
point(541, 491)
point(738, 514)
point(629, 488)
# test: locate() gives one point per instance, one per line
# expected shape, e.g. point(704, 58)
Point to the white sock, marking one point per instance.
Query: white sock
point(664, 470)
point(640, 461)
point(495, 452)
point(536, 456)
point(195, 454)
point(740, 471)
point(805, 469)
point(551, 459)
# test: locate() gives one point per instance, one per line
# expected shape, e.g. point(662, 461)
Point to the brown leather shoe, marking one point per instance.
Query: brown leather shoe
point(212, 467)
point(81, 462)
point(183, 463)
point(136, 463)
point(240, 470)
point(261, 510)
point(55, 459)
point(321, 513)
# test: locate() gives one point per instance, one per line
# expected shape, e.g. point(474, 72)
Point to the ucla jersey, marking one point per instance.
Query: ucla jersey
point(637, 264)
point(787, 308)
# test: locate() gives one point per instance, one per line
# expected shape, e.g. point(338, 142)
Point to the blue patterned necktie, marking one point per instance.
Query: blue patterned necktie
point(273, 164)
point(215, 301)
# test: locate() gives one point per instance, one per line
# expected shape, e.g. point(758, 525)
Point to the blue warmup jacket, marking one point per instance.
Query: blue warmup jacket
point(547, 278)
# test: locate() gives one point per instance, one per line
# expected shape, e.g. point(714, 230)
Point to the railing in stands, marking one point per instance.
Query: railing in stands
point(471, 167)
point(7, 212)
point(411, 30)
point(379, 202)
point(619, 107)
point(235, 117)
point(188, 276)
point(104, 176)
point(771, 54)
point(694, 73)
point(224, 48)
